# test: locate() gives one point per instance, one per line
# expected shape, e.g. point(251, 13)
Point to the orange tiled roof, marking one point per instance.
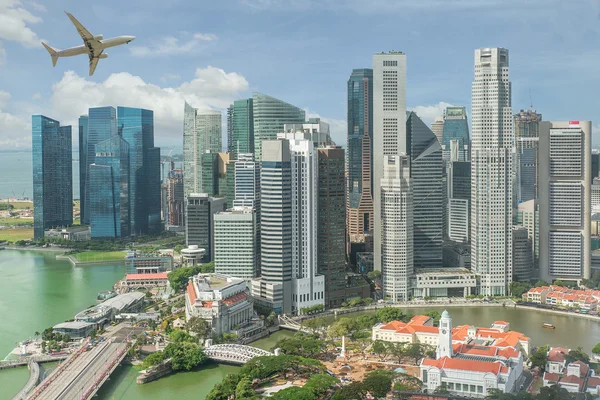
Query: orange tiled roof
point(191, 293)
point(573, 380)
point(235, 298)
point(500, 323)
point(458, 364)
point(551, 377)
point(139, 277)
point(489, 351)
point(593, 381)
point(394, 325)
point(557, 354)
point(583, 368)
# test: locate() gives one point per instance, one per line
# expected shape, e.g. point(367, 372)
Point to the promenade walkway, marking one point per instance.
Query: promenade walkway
point(234, 353)
point(34, 377)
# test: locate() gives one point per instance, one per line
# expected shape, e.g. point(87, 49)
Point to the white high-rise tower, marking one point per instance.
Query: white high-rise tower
point(389, 139)
point(492, 172)
point(444, 348)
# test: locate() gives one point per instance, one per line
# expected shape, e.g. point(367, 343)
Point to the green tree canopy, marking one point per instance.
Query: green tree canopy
point(294, 393)
point(244, 390)
point(539, 357)
point(184, 356)
point(199, 326)
point(577, 355)
point(388, 314)
point(352, 391)
point(318, 384)
point(178, 336)
point(596, 349)
point(378, 384)
point(517, 289)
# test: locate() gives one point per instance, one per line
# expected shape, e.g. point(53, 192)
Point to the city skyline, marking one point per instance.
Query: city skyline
point(212, 55)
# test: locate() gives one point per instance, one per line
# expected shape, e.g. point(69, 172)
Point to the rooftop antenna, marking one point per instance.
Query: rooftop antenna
point(530, 100)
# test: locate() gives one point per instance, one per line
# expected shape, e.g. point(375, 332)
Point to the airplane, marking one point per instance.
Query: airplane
point(93, 46)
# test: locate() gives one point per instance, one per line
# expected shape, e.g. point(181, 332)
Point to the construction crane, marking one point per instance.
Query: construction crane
point(162, 163)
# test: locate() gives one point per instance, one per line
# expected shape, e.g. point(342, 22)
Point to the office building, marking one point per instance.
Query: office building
point(564, 200)
point(274, 288)
point(308, 288)
point(359, 160)
point(426, 170)
point(247, 182)
point(240, 128)
point(528, 216)
point(314, 130)
point(595, 163)
point(522, 255)
point(52, 175)
point(175, 198)
point(331, 224)
point(459, 200)
point(270, 114)
point(595, 195)
point(83, 135)
point(492, 172)
point(458, 220)
point(527, 129)
point(136, 126)
point(397, 228)
point(437, 127)
point(200, 209)
point(201, 133)
point(210, 178)
point(236, 246)
point(226, 177)
point(109, 190)
point(390, 147)
point(456, 128)
point(101, 125)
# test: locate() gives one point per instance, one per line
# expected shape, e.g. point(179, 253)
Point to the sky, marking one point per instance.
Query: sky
point(210, 53)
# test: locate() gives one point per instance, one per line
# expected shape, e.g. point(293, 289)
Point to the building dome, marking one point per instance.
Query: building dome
point(445, 314)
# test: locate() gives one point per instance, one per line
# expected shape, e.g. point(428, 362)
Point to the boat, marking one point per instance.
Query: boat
point(548, 326)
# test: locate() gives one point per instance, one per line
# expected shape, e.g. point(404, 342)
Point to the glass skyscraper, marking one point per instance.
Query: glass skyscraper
point(136, 127)
point(359, 157)
point(83, 126)
point(240, 127)
point(109, 190)
point(270, 116)
point(456, 127)
point(101, 125)
point(52, 175)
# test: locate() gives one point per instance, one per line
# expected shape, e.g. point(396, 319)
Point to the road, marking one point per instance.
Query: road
point(80, 375)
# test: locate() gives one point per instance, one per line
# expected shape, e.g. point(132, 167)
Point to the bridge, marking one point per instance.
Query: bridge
point(37, 358)
point(80, 376)
point(234, 353)
point(34, 377)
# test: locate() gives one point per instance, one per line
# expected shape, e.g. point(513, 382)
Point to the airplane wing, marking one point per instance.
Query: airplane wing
point(91, 43)
point(93, 63)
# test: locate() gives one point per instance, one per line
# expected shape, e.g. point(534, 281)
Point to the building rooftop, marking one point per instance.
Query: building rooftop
point(557, 354)
point(459, 364)
point(139, 277)
point(73, 325)
point(122, 301)
point(550, 377)
point(442, 271)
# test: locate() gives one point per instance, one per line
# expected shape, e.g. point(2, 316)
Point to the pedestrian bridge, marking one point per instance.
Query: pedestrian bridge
point(234, 353)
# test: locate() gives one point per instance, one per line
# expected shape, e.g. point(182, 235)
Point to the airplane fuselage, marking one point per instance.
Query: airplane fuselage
point(106, 43)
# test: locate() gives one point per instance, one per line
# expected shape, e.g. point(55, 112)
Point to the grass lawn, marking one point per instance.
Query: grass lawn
point(18, 205)
point(13, 235)
point(15, 221)
point(94, 256)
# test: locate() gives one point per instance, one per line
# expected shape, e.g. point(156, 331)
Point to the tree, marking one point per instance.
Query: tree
point(541, 283)
point(373, 275)
point(435, 315)
point(352, 391)
point(539, 358)
point(380, 348)
point(153, 359)
point(378, 384)
point(517, 289)
point(553, 392)
point(596, 349)
point(178, 336)
point(577, 355)
point(398, 350)
point(388, 314)
point(315, 324)
point(271, 319)
point(319, 384)
point(294, 393)
point(184, 356)
point(416, 351)
point(366, 321)
point(244, 390)
point(199, 326)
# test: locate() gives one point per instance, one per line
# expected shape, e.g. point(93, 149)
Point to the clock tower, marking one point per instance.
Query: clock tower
point(444, 348)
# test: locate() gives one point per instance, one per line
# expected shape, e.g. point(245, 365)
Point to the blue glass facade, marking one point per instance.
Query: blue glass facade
point(109, 190)
point(136, 126)
point(83, 125)
point(456, 127)
point(102, 124)
point(52, 174)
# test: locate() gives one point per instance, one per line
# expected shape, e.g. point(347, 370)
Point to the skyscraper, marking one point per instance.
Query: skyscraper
point(175, 198)
point(210, 179)
point(527, 132)
point(52, 175)
point(274, 288)
point(492, 172)
point(437, 127)
point(426, 172)
point(226, 177)
point(459, 199)
point(201, 133)
point(522, 257)
point(396, 228)
point(359, 198)
point(565, 200)
point(456, 127)
point(136, 126)
point(101, 125)
point(83, 135)
point(270, 114)
point(528, 216)
point(200, 210)
point(235, 243)
point(109, 190)
point(247, 182)
point(240, 127)
point(331, 224)
point(389, 139)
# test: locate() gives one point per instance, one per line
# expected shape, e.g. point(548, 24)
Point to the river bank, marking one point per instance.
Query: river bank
point(571, 314)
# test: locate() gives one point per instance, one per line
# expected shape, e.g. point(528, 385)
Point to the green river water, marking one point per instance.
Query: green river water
point(37, 291)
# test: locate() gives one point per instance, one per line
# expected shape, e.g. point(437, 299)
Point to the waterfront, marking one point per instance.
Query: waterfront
point(38, 291)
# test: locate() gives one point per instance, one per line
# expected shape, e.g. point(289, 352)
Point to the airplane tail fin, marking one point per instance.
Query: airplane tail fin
point(53, 52)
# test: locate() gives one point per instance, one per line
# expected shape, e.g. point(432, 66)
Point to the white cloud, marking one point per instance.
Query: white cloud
point(171, 45)
point(337, 127)
point(14, 21)
point(37, 6)
point(4, 98)
point(210, 88)
point(430, 112)
point(16, 132)
point(36, 96)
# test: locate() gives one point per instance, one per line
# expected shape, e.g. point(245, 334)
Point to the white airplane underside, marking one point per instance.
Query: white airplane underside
point(93, 46)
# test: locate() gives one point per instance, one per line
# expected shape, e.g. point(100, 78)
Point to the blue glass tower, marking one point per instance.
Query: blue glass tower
point(456, 127)
point(109, 190)
point(102, 124)
point(52, 175)
point(136, 126)
point(83, 126)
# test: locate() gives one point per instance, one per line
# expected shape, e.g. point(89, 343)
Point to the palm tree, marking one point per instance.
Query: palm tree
point(36, 334)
